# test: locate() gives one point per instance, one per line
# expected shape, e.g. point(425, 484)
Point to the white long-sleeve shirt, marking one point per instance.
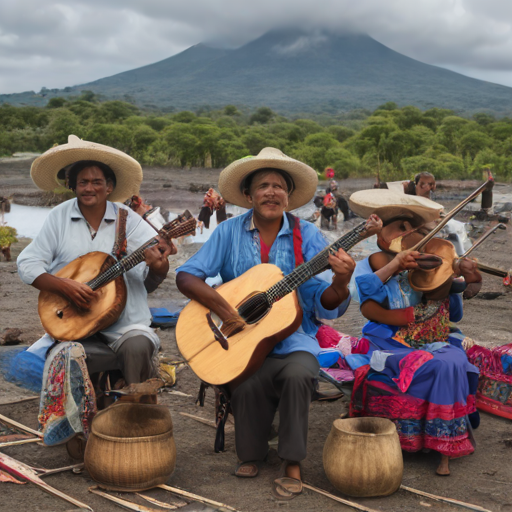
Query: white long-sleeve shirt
point(65, 236)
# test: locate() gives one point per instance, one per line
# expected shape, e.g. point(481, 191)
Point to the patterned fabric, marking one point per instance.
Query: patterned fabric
point(435, 327)
point(420, 423)
point(427, 393)
point(408, 366)
point(67, 399)
point(120, 244)
point(494, 394)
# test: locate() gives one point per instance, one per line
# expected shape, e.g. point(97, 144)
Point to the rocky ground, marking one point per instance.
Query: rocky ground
point(484, 478)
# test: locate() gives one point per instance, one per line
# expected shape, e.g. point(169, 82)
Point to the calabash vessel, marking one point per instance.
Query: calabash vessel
point(362, 457)
point(131, 447)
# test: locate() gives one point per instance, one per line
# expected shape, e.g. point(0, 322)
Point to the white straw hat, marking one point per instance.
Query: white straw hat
point(128, 171)
point(388, 204)
point(232, 177)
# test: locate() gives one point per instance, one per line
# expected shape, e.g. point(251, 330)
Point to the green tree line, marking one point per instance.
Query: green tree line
point(394, 142)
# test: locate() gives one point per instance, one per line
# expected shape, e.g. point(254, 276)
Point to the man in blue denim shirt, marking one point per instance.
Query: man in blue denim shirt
point(270, 184)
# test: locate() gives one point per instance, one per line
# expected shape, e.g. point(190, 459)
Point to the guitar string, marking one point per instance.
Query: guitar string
point(314, 266)
point(137, 256)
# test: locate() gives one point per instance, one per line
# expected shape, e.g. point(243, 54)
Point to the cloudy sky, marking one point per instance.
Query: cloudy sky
point(46, 43)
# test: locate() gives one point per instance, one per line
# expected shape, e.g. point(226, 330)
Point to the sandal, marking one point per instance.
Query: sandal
point(285, 488)
point(248, 469)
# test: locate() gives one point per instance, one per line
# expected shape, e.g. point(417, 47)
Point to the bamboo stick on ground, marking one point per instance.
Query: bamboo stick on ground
point(13, 423)
point(196, 497)
point(20, 441)
point(445, 500)
point(46, 472)
point(204, 421)
point(338, 499)
point(130, 505)
point(21, 470)
point(20, 400)
point(157, 502)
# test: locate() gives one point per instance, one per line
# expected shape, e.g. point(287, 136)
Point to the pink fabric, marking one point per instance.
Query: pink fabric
point(361, 346)
point(327, 336)
point(408, 366)
point(341, 375)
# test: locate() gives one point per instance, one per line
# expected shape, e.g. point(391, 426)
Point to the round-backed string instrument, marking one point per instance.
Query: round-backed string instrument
point(423, 279)
point(100, 271)
point(438, 256)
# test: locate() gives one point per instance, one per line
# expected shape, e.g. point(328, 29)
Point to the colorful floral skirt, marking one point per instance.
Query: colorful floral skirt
point(67, 398)
point(428, 395)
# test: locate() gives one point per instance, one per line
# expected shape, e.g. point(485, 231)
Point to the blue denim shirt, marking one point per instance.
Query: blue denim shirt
point(234, 248)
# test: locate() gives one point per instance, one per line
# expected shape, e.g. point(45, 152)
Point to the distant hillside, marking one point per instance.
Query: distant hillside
point(292, 71)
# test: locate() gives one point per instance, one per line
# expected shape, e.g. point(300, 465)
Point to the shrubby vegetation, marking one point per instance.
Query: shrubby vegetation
point(394, 142)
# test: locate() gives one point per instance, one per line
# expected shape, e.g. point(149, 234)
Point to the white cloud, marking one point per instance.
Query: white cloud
point(56, 44)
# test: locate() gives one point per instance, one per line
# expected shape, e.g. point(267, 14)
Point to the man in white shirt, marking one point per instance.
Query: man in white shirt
point(88, 223)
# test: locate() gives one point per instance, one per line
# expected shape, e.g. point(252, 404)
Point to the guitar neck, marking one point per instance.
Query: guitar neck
point(314, 266)
point(122, 266)
point(185, 224)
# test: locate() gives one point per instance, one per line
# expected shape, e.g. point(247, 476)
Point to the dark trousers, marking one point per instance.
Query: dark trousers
point(133, 358)
point(285, 384)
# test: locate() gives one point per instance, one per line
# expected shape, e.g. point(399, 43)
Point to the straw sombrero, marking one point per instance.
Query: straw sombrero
point(388, 204)
point(232, 177)
point(128, 171)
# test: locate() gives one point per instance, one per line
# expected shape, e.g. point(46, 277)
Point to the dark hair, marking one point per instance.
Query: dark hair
point(423, 174)
point(83, 164)
point(410, 188)
point(245, 186)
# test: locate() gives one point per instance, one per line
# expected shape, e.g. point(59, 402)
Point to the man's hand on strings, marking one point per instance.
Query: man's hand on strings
point(156, 256)
point(79, 294)
point(343, 266)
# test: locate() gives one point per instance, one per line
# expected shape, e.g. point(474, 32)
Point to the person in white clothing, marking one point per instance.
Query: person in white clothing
point(99, 175)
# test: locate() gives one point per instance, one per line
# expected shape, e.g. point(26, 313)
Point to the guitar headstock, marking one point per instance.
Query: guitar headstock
point(182, 225)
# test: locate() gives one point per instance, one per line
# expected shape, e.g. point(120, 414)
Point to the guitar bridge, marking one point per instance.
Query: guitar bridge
point(217, 332)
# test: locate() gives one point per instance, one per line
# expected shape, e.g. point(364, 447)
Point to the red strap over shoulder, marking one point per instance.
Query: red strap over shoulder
point(297, 241)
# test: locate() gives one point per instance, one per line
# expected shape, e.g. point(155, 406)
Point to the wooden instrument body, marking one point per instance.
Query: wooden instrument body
point(248, 348)
point(63, 321)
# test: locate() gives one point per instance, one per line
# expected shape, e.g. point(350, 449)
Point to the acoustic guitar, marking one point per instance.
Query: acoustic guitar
point(100, 271)
point(271, 316)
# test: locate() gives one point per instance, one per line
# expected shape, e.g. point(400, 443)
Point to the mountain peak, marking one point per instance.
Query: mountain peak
point(294, 70)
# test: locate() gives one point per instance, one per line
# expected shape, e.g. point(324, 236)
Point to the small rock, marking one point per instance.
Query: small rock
point(490, 472)
point(425, 504)
point(508, 443)
point(10, 337)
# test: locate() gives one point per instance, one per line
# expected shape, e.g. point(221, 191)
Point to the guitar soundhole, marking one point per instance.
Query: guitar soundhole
point(254, 308)
point(60, 313)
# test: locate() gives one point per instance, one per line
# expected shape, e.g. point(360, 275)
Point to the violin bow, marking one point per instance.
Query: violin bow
point(422, 243)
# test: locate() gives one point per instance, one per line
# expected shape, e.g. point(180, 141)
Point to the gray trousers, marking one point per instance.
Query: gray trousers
point(285, 384)
point(133, 358)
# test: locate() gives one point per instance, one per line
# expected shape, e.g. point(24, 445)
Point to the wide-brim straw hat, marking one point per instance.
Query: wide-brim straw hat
point(428, 280)
point(128, 171)
point(388, 204)
point(304, 177)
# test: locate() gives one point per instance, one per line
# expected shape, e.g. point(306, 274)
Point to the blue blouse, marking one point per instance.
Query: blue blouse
point(234, 248)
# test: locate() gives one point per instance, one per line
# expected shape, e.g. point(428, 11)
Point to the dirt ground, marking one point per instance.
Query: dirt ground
point(484, 478)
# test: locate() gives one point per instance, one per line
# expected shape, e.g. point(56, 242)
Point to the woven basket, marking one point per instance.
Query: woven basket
point(362, 457)
point(131, 447)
